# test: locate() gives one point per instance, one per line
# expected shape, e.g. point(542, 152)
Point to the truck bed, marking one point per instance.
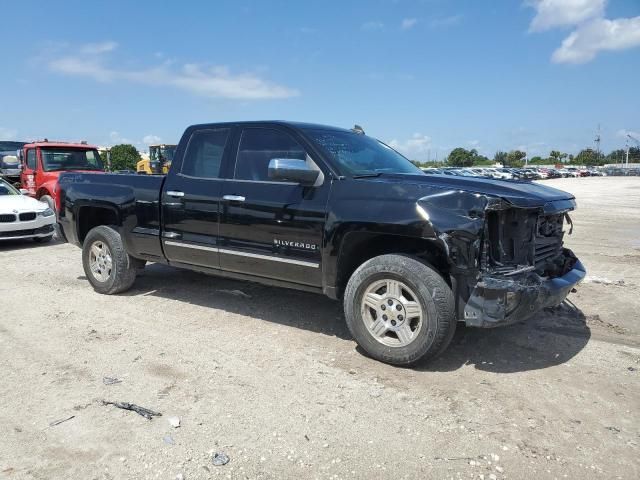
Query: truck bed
point(137, 198)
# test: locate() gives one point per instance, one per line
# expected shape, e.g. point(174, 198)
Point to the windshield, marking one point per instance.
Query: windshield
point(6, 189)
point(70, 159)
point(358, 154)
point(162, 154)
point(8, 160)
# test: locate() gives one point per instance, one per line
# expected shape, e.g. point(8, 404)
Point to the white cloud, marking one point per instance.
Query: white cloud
point(98, 48)
point(207, 81)
point(474, 143)
point(560, 13)
point(593, 32)
point(151, 139)
point(624, 132)
point(116, 138)
point(8, 133)
point(408, 23)
point(372, 25)
point(415, 148)
point(597, 35)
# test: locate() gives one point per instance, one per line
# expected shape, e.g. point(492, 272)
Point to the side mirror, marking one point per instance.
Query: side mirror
point(19, 155)
point(292, 170)
point(24, 191)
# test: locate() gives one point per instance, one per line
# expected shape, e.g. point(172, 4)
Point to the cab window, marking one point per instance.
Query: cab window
point(260, 145)
point(203, 157)
point(31, 159)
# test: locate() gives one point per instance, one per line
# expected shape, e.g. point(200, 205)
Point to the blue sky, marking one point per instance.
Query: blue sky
point(424, 75)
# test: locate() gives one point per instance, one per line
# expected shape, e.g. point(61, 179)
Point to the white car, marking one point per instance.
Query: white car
point(24, 217)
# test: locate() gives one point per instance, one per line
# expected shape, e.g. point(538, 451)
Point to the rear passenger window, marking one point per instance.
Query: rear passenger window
point(260, 145)
point(203, 157)
point(31, 159)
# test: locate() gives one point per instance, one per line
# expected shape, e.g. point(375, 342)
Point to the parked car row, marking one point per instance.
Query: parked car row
point(527, 173)
point(622, 172)
point(23, 217)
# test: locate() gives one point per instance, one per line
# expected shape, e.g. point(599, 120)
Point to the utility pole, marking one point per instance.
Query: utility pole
point(631, 137)
point(627, 142)
point(597, 142)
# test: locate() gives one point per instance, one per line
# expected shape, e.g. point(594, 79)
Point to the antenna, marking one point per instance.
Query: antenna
point(597, 142)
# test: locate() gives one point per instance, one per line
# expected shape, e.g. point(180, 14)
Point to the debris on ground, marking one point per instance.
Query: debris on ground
point(111, 380)
point(145, 412)
point(235, 293)
point(219, 459)
point(168, 439)
point(174, 421)
point(58, 422)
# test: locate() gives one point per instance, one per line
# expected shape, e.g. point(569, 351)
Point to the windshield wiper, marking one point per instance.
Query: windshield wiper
point(367, 175)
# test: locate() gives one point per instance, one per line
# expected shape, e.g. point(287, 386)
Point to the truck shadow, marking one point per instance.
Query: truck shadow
point(551, 338)
point(292, 308)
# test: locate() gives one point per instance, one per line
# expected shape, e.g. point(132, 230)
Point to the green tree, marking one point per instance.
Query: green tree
point(124, 157)
point(515, 158)
point(556, 156)
point(461, 157)
point(501, 158)
point(589, 157)
point(482, 160)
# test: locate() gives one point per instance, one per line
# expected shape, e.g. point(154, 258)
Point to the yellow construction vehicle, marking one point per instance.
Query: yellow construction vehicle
point(160, 158)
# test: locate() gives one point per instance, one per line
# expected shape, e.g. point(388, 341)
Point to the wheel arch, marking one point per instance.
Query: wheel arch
point(91, 216)
point(358, 247)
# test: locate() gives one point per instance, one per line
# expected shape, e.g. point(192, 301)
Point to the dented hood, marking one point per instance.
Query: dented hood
point(519, 193)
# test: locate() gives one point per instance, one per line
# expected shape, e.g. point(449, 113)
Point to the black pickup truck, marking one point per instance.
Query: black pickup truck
point(332, 211)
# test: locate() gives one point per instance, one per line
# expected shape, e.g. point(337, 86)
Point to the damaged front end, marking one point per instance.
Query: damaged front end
point(507, 261)
point(524, 266)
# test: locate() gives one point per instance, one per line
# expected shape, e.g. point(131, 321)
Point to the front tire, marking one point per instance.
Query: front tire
point(399, 309)
point(106, 263)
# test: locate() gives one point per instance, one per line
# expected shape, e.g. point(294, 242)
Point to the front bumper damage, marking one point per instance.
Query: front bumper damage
point(499, 300)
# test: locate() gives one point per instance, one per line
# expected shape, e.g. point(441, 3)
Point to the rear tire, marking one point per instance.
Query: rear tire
point(106, 263)
point(399, 309)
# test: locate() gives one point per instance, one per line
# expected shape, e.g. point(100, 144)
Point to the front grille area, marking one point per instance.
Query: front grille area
point(27, 216)
point(30, 231)
point(548, 240)
point(7, 218)
point(519, 238)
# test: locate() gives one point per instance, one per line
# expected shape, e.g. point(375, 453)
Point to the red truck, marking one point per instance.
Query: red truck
point(43, 162)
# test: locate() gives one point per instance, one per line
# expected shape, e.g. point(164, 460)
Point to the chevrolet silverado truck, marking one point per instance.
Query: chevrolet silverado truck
point(337, 212)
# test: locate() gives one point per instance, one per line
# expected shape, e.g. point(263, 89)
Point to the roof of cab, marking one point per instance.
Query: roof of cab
point(298, 125)
point(57, 144)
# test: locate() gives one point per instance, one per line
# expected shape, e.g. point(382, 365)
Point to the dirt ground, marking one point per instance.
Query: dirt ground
point(270, 377)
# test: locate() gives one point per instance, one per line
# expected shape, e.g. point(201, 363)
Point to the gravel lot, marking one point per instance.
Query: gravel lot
point(271, 378)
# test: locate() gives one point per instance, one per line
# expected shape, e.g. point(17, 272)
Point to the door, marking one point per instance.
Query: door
point(270, 228)
point(191, 199)
point(28, 175)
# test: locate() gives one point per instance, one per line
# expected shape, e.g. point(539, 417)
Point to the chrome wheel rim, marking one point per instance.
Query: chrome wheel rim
point(392, 313)
point(100, 261)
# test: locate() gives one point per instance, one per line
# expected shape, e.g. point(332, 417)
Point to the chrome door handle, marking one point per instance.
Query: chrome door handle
point(175, 193)
point(233, 198)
